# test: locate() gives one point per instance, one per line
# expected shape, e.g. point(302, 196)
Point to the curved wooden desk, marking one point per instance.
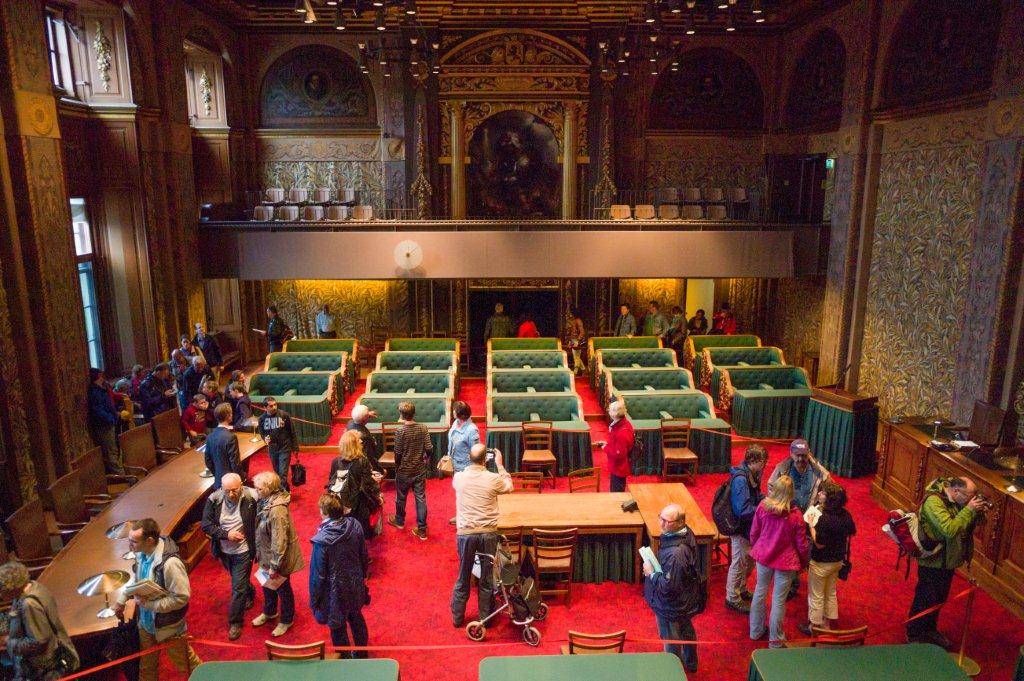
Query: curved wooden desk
point(167, 495)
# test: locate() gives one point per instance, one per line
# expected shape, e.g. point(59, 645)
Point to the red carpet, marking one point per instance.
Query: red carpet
point(411, 583)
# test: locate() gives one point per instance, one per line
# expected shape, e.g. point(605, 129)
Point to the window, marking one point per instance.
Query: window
point(87, 280)
point(58, 45)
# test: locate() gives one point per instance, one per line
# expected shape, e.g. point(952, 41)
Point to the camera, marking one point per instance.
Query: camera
point(490, 454)
point(984, 501)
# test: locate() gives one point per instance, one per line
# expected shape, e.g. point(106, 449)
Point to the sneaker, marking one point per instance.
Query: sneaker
point(234, 632)
point(805, 628)
point(452, 521)
point(738, 606)
point(281, 629)
point(793, 593)
point(261, 619)
point(394, 523)
point(421, 534)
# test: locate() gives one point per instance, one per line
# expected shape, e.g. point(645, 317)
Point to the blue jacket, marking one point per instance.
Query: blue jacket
point(744, 496)
point(222, 455)
point(102, 413)
point(337, 570)
point(192, 382)
point(211, 351)
point(671, 592)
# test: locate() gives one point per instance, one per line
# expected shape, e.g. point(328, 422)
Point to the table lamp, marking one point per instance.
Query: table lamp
point(104, 583)
point(120, 531)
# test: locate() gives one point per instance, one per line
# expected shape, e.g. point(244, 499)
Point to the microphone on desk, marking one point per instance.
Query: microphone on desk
point(629, 506)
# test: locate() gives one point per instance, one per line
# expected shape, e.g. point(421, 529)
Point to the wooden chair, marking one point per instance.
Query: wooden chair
point(537, 452)
point(721, 553)
point(168, 435)
point(306, 651)
point(34, 567)
point(30, 534)
point(838, 638)
point(94, 477)
point(138, 450)
point(595, 644)
point(691, 212)
point(387, 457)
point(554, 553)
point(71, 510)
point(527, 482)
point(675, 449)
point(717, 212)
point(585, 480)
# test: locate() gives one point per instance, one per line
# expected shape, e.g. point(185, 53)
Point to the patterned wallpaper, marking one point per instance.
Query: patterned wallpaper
point(794, 323)
point(705, 162)
point(640, 292)
point(928, 196)
point(358, 306)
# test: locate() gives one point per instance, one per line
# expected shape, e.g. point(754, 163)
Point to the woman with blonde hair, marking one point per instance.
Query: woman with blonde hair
point(277, 551)
point(353, 480)
point(778, 540)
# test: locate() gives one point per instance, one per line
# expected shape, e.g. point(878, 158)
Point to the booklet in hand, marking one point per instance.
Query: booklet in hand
point(647, 555)
point(145, 589)
point(266, 581)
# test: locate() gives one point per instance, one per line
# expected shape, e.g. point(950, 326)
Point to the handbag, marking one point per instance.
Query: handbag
point(298, 472)
point(445, 466)
point(844, 571)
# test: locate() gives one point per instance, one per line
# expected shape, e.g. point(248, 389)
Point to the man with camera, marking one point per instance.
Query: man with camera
point(476, 522)
point(948, 514)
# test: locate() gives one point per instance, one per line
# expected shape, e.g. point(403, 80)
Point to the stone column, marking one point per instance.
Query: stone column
point(569, 152)
point(458, 161)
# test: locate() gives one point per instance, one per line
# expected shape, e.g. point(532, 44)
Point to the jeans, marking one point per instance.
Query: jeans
point(419, 492)
point(740, 568)
point(783, 580)
point(617, 484)
point(932, 589)
point(105, 438)
point(270, 597)
point(238, 565)
point(821, 592)
point(680, 630)
point(468, 545)
point(280, 461)
point(181, 654)
point(183, 401)
point(360, 636)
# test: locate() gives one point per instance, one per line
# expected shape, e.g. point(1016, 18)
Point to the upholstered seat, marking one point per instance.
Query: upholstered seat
point(766, 401)
point(519, 407)
point(421, 344)
point(523, 359)
point(523, 344)
point(732, 356)
point(530, 380)
point(695, 344)
point(420, 360)
point(431, 410)
point(621, 379)
point(610, 358)
point(419, 382)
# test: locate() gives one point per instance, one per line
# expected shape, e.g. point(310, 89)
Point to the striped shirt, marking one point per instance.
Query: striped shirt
point(413, 449)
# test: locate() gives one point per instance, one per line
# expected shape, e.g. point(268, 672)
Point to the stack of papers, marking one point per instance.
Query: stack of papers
point(265, 580)
point(647, 555)
point(145, 589)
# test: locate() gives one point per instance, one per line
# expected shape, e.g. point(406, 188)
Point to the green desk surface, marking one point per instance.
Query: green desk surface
point(327, 670)
point(624, 667)
point(910, 662)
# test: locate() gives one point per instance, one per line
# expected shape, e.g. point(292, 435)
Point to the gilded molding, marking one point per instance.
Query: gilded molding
point(37, 114)
point(104, 56)
point(302, 148)
point(206, 92)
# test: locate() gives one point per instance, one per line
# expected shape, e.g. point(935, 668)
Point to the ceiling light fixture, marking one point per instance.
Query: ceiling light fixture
point(650, 16)
point(755, 8)
point(339, 20)
point(310, 17)
point(300, 6)
point(410, 7)
point(380, 23)
point(723, 5)
point(332, 3)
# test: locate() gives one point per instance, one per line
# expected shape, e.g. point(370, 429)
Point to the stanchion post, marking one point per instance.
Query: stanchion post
point(968, 665)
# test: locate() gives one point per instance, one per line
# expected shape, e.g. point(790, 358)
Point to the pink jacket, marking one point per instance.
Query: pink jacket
point(779, 541)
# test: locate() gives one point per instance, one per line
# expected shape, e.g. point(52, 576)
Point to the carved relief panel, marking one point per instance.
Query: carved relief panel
point(105, 58)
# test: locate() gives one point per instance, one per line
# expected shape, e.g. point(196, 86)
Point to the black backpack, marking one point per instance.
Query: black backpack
point(721, 510)
point(694, 599)
point(636, 452)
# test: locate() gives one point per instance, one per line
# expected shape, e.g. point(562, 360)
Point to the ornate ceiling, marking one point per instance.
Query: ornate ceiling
point(546, 14)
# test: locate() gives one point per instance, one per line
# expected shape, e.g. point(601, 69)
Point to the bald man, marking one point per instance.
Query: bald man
point(229, 519)
point(361, 415)
point(676, 589)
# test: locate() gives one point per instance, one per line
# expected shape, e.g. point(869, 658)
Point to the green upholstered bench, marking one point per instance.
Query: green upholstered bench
point(733, 356)
point(416, 344)
point(433, 411)
point(309, 395)
point(523, 344)
point(530, 380)
point(767, 401)
point(526, 359)
point(394, 382)
point(629, 358)
point(306, 361)
point(596, 343)
point(570, 439)
point(349, 345)
point(695, 344)
point(423, 360)
point(711, 439)
point(621, 379)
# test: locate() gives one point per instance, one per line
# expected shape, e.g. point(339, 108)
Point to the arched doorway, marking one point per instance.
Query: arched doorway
point(514, 170)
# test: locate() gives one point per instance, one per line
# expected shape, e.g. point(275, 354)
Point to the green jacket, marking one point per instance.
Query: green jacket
point(947, 522)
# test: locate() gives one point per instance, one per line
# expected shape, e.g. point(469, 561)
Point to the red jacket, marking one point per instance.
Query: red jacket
point(528, 330)
point(616, 451)
point(192, 420)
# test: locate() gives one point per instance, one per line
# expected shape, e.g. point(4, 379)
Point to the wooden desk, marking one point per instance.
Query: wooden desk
point(653, 497)
point(907, 463)
point(167, 495)
point(592, 513)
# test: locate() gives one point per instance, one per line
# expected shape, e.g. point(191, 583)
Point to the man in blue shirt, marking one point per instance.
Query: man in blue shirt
point(744, 496)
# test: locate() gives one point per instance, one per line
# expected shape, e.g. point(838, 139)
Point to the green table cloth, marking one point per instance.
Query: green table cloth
point(570, 442)
point(911, 662)
point(770, 413)
point(623, 667)
point(843, 441)
point(604, 558)
point(306, 670)
point(713, 449)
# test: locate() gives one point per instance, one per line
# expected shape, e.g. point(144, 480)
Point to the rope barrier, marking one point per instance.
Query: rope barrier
point(502, 644)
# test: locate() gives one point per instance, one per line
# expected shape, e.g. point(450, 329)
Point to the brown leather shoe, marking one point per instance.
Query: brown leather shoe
point(234, 632)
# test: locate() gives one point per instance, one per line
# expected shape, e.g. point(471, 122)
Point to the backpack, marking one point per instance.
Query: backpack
point(636, 452)
point(721, 510)
point(694, 599)
point(904, 528)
